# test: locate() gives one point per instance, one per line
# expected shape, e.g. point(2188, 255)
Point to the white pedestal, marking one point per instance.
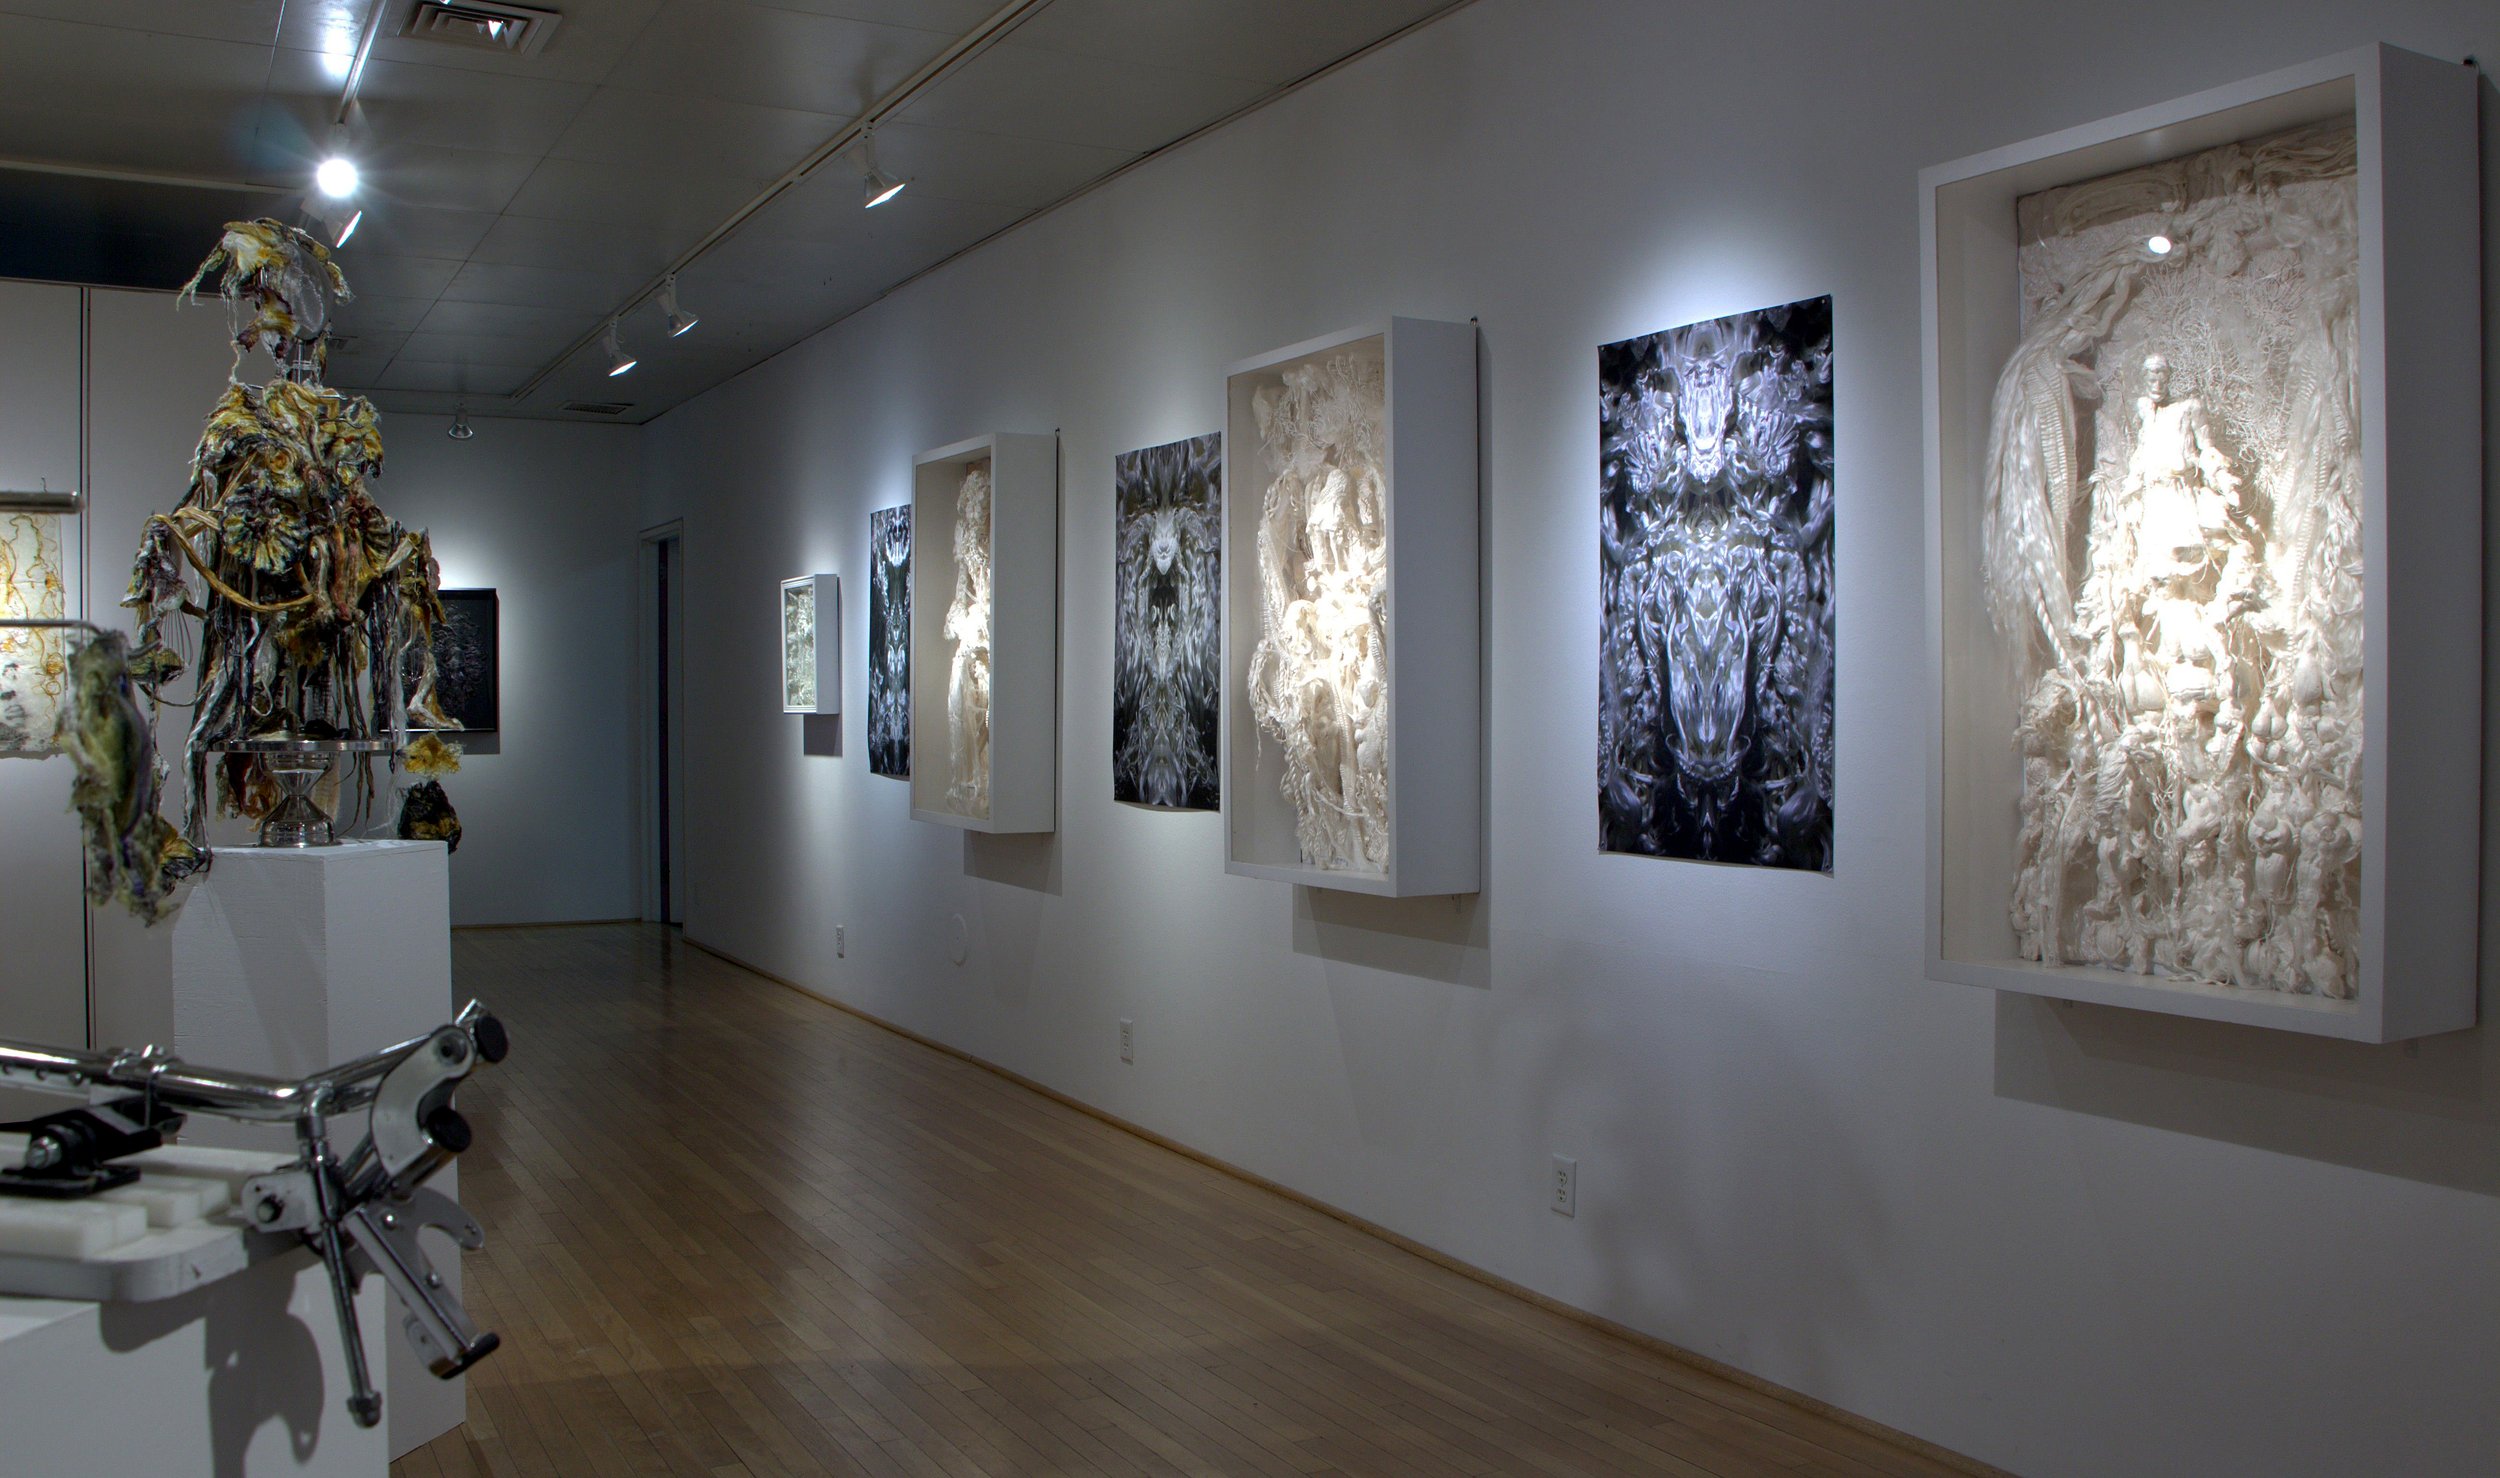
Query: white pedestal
point(241, 1376)
point(286, 961)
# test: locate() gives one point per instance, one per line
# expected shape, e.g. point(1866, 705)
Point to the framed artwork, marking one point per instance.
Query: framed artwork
point(811, 644)
point(1167, 629)
point(889, 642)
point(466, 662)
point(2205, 555)
point(985, 605)
point(34, 665)
point(1351, 673)
point(1714, 703)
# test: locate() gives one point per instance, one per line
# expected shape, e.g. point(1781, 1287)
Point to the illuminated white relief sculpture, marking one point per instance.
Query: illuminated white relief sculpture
point(1318, 680)
point(2172, 547)
point(968, 638)
point(798, 646)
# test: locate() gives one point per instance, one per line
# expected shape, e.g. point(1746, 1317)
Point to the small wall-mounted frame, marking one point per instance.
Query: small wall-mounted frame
point(985, 634)
point(811, 644)
point(468, 660)
point(1350, 734)
point(2204, 464)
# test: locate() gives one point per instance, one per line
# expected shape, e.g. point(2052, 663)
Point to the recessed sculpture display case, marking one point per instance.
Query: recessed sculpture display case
point(2205, 490)
point(811, 644)
point(984, 634)
point(1352, 757)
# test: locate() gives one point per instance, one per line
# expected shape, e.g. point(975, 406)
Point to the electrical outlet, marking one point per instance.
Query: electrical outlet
point(840, 941)
point(1128, 1040)
point(1566, 1186)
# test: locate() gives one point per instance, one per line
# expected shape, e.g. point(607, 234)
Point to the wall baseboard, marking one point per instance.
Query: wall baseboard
point(1866, 1426)
point(567, 924)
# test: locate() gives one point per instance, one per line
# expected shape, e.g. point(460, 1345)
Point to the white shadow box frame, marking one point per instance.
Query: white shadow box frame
point(826, 592)
point(2421, 394)
point(1024, 630)
point(1436, 779)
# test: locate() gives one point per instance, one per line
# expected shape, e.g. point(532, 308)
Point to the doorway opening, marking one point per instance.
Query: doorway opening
point(660, 637)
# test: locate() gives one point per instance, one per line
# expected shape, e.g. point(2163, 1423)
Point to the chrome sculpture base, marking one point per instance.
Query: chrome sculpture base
point(297, 820)
point(297, 767)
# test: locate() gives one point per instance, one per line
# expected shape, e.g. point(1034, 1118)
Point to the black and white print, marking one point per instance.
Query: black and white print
point(1714, 704)
point(889, 641)
point(466, 672)
point(1167, 633)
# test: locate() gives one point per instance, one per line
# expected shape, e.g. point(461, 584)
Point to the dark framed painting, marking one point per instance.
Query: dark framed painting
point(466, 665)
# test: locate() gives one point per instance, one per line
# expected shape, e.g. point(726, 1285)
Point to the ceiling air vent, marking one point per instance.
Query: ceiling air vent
point(488, 25)
point(598, 407)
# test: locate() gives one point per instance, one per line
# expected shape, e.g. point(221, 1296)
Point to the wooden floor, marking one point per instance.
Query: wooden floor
point(734, 1231)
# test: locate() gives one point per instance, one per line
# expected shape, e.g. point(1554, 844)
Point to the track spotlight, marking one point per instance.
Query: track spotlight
point(876, 186)
point(461, 430)
point(2157, 245)
point(618, 360)
point(338, 219)
point(337, 177)
point(679, 320)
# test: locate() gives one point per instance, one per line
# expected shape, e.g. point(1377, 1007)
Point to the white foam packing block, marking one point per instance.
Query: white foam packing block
point(73, 1229)
point(177, 1186)
point(171, 1200)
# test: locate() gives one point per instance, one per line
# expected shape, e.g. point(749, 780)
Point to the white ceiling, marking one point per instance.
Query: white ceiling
point(513, 204)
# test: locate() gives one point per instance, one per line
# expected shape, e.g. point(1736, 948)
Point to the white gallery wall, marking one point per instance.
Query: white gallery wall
point(545, 512)
point(2066, 1240)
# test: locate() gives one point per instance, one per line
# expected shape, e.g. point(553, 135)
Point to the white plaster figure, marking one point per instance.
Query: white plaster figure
point(1318, 682)
point(968, 635)
point(2191, 739)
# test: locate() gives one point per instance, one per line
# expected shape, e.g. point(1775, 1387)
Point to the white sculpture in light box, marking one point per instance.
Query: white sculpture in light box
point(968, 638)
point(2183, 398)
point(2204, 393)
point(811, 644)
point(984, 645)
point(1319, 673)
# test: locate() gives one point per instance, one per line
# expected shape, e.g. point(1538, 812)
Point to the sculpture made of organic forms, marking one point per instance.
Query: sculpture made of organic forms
point(1166, 683)
point(889, 641)
point(2172, 550)
point(311, 602)
point(1715, 651)
point(968, 635)
point(1319, 673)
point(133, 854)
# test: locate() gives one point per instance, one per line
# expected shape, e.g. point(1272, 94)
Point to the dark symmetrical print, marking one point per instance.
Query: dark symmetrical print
point(466, 674)
point(1714, 704)
point(1167, 640)
point(889, 641)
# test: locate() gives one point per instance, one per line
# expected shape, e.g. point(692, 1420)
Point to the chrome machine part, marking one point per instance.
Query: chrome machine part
point(359, 1212)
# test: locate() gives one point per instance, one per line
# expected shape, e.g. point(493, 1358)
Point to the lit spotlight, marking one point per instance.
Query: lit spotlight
point(618, 360)
point(461, 430)
point(2158, 245)
point(876, 186)
point(336, 177)
point(679, 320)
point(338, 219)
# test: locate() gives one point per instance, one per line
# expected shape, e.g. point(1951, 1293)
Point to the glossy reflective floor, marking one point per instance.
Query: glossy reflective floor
point(734, 1231)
